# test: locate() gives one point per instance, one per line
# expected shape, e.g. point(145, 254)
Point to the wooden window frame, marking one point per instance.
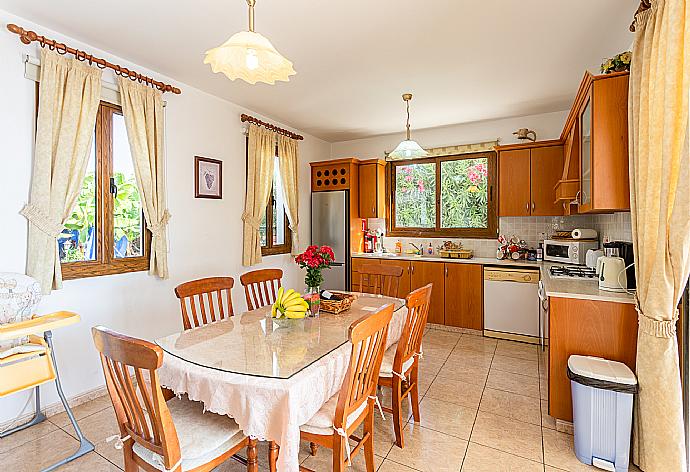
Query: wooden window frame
point(106, 263)
point(437, 231)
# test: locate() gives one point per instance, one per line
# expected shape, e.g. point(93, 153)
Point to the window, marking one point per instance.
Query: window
point(276, 238)
point(450, 196)
point(105, 234)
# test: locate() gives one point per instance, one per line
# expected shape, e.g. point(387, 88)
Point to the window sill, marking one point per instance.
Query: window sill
point(82, 270)
point(454, 234)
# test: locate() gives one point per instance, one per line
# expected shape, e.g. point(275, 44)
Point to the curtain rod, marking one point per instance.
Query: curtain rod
point(283, 131)
point(27, 37)
point(644, 5)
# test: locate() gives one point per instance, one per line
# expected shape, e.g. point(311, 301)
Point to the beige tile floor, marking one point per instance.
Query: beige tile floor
point(482, 406)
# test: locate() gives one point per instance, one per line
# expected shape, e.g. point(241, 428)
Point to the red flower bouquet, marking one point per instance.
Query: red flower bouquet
point(315, 259)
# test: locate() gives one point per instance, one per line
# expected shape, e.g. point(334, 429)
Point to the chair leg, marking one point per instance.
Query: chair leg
point(313, 448)
point(397, 413)
point(130, 465)
point(369, 444)
point(273, 449)
point(252, 460)
point(414, 393)
point(338, 453)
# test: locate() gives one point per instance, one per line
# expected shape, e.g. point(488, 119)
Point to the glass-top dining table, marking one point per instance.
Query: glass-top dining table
point(270, 375)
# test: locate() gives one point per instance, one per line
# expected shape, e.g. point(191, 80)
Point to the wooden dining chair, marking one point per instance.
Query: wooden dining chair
point(261, 287)
point(340, 416)
point(156, 435)
point(400, 365)
point(205, 300)
point(379, 279)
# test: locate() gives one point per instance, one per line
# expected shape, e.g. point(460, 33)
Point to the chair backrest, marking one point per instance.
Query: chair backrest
point(410, 341)
point(205, 300)
point(261, 287)
point(368, 337)
point(379, 279)
point(140, 407)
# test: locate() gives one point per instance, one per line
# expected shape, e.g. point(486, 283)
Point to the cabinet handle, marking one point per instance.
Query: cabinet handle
point(373, 211)
point(532, 206)
point(527, 206)
point(412, 268)
point(446, 271)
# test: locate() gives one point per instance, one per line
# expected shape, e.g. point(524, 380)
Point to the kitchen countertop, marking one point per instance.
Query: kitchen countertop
point(583, 289)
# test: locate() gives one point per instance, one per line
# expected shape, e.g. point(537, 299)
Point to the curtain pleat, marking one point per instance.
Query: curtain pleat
point(260, 160)
point(288, 151)
point(69, 94)
point(142, 108)
point(660, 208)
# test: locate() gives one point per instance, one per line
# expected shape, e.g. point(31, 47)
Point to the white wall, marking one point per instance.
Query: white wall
point(547, 126)
point(205, 235)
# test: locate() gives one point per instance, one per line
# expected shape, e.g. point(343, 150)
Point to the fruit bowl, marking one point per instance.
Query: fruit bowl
point(289, 305)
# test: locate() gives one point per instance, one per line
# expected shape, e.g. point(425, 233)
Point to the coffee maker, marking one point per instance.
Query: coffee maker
point(624, 250)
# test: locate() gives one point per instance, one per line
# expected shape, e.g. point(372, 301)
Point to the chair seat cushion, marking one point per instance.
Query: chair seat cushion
point(202, 436)
point(322, 422)
point(387, 363)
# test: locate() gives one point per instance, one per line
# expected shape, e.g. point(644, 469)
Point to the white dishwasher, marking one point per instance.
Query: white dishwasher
point(511, 304)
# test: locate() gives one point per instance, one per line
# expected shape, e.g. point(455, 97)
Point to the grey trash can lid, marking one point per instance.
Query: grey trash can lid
point(601, 369)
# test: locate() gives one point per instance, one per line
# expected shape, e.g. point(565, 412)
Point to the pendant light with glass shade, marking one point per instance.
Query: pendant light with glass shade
point(249, 56)
point(407, 149)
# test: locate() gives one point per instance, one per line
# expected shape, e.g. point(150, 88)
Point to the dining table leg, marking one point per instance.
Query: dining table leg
point(273, 450)
point(252, 460)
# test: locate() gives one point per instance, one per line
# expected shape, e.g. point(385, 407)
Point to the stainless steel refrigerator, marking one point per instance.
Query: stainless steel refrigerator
point(330, 225)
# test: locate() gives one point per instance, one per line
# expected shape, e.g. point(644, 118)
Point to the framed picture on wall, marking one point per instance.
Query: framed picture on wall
point(208, 177)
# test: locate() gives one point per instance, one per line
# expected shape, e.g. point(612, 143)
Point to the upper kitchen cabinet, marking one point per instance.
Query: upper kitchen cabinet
point(527, 176)
point(339, 174)
point(598, 125)
point(372, 184)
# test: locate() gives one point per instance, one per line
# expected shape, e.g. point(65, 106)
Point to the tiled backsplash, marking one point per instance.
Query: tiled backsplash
point(614, 227)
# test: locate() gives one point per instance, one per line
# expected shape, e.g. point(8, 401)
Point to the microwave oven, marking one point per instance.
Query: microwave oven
point(568, 251)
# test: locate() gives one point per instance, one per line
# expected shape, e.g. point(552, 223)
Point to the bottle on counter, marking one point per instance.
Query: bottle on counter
point(540, 252)
point(430, 250)
point(398, 247)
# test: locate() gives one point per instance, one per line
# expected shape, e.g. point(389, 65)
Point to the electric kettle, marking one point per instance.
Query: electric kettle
point(612, 276)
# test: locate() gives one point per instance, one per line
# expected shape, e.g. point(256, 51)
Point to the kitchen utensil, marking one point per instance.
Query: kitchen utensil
point(592, 256)
point(612, 277)
point(584, 233)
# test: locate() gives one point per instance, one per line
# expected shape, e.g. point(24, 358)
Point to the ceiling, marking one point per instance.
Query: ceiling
point(463, 60)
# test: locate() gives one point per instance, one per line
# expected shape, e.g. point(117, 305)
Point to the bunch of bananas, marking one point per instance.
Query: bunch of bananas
point(289, 304)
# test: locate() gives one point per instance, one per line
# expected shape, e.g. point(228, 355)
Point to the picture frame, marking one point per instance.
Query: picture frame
point(208, 178)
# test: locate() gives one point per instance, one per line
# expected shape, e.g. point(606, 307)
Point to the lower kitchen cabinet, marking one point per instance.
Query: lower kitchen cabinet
point(423, 273)
point(588, 328)
point(463, 285)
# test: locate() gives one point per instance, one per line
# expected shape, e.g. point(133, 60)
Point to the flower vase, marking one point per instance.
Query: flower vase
point(312, 295)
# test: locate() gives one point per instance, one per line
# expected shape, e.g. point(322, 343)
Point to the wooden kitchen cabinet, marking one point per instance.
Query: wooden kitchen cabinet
point(464, 302)
point(372, 183)
point(514, 182)
point(527, 176)
point(588, 328)
point(422, 273)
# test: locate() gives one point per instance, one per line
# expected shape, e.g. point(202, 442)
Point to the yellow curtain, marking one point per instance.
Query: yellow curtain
point(288, 151)
point(660, 206)
point(260, 156)
point(69, 93)
point(142, 108)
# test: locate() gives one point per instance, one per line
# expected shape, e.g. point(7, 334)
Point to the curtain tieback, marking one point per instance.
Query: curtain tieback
point(657, 328)
point(42, 221)
point(157, 229)
point(253, 221)
point(294, 227)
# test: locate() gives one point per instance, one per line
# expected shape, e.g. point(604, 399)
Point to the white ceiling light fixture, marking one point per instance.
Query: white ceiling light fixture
point(407, 149)
point(250, 56)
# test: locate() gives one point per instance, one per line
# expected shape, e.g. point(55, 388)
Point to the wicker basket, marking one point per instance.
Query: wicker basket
point(340, 303)
point(456, 253)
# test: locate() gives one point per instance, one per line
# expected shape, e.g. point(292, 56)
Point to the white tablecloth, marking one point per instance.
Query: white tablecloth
point(267, 408)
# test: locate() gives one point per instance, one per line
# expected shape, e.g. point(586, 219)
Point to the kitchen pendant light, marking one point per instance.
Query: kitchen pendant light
point(407, 149)
point(249, 56)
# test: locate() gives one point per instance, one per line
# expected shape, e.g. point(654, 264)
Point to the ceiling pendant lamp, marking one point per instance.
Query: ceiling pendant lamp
point(249, 56)
point(407, 149)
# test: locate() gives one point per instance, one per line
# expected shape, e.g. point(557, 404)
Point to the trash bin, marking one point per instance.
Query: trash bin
point(603, 393)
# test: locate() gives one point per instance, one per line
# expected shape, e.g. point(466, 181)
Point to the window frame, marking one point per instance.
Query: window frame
point(437, 231)
point(106, 263)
